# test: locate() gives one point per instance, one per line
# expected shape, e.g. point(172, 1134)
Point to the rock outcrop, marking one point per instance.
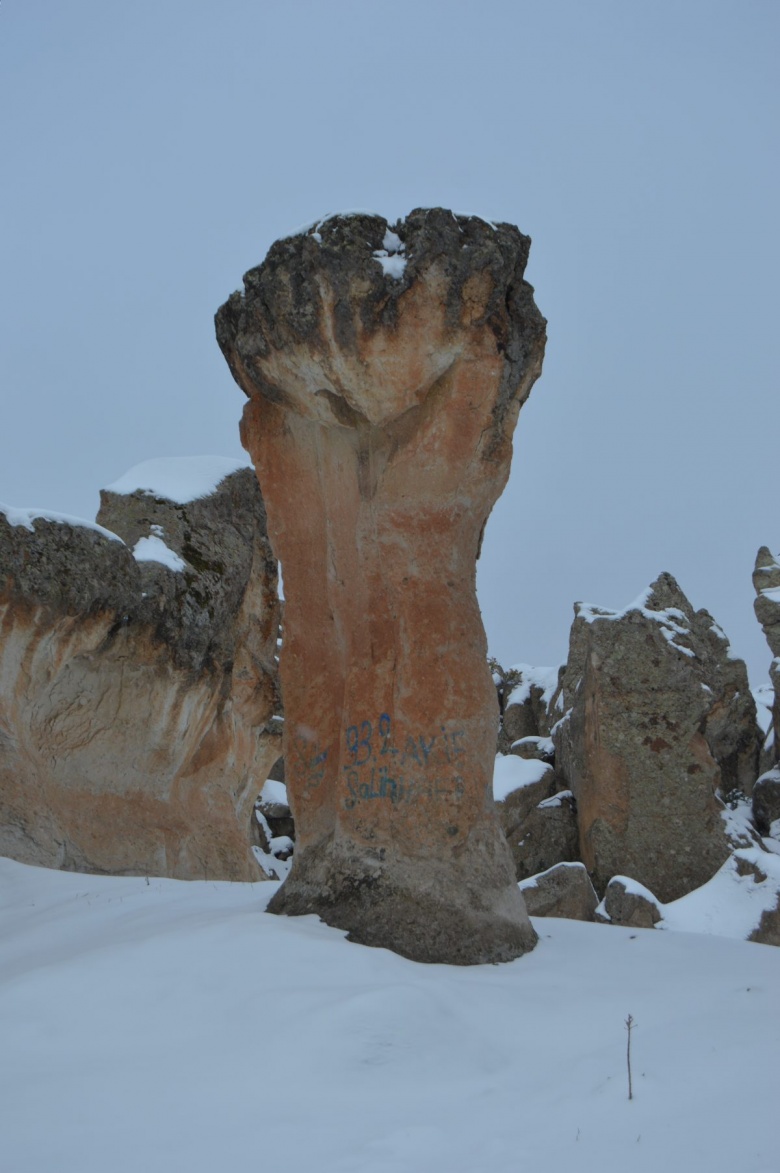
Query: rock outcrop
point(658, 718)
point(385, 367)
point(766, 580)
point(138, 686)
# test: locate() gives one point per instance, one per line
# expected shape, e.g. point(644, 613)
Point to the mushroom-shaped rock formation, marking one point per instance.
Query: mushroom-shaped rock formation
point(385, 368)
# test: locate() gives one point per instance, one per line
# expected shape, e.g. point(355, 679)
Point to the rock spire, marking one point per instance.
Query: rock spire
point(385, 367)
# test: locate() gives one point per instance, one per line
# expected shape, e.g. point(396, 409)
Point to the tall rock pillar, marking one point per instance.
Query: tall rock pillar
point(385, 369)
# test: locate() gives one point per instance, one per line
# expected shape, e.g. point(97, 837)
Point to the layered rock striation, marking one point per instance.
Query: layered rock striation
point(138, 677)
point(658, 721)
point(385, 368)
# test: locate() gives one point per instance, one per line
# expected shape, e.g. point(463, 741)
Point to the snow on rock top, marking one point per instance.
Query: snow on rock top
point(545, 679)
point(390, 255)
point(513, 773)
point(177, 478)
point(474, 216)
point(154, 549)
point(26, 518)
point(672, 621)
point(274, 791)
point(314, 225)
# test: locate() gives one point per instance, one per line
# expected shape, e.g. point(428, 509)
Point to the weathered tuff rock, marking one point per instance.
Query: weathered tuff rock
point(137, 701)
point(385, 368)
point(766, 580)
point(657, 719)
point(564, 890)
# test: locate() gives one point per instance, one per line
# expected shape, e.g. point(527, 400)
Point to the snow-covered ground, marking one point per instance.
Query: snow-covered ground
point(165, 1025)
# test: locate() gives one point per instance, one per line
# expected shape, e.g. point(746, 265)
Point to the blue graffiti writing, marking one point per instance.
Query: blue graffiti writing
point(421, 769)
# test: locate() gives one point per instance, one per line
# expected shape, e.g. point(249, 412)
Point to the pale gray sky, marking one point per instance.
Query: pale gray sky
point(151, 151)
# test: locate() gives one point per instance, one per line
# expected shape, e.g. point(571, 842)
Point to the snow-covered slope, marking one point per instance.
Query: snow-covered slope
point(165, 1025)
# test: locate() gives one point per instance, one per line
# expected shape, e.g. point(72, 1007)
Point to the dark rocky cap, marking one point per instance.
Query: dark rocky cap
point(327, 290)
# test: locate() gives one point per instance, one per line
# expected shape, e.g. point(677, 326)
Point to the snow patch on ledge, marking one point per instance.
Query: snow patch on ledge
point(27, 517)
point(154, 549)
point(390, 257)
point(180, 479)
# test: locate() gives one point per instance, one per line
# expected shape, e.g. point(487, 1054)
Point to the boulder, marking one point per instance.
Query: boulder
point(564, 890)
point(631, 904)
point(657, 719)
point(138, 691)
point(385, 366)
point(766, 580)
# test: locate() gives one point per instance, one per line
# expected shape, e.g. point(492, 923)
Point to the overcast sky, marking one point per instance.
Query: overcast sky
point(151, 151)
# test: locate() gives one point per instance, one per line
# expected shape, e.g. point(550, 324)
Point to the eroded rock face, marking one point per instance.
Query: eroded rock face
point(137, 700)
point(766, 580)
point(658, 718)
point(385, 368)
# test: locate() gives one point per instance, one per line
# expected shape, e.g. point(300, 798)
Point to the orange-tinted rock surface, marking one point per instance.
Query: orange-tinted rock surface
point(385, 368)
point(137, 696)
